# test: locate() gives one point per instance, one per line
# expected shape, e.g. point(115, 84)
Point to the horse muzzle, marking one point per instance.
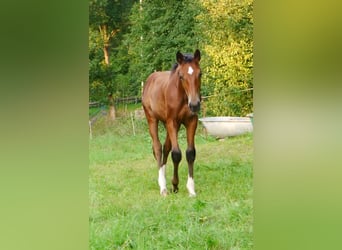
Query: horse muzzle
point(195, 106)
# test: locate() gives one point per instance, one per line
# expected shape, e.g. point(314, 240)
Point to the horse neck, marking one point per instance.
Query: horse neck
point(176, 83)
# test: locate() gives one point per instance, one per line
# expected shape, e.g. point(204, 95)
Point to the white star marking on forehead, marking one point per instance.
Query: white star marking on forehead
point(190, 70)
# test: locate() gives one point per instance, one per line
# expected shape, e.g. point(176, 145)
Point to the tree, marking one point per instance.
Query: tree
point(106, 19)
point(128, 40)
point(229, 46)
point(158, 29)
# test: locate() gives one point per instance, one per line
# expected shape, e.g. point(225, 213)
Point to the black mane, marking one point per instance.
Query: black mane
point(187, 58)
point(174, 67)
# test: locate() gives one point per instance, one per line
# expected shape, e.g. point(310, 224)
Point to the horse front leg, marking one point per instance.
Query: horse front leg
point(166, 149)
point(176, 154)
point(191, 154)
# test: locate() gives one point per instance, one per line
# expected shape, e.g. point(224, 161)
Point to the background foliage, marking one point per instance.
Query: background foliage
point(230, 56)
point(147, 35)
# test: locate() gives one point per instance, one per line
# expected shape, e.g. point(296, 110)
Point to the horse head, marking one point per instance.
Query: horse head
point(189, 74)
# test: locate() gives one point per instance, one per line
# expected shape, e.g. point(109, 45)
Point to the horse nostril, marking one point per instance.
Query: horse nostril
point(195, 107)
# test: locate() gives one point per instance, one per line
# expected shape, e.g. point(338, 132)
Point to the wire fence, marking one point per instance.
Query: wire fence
point(137, 99)
point(127, 116)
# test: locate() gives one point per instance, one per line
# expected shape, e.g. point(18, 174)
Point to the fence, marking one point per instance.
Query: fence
point(127, 100)
point(122, 102)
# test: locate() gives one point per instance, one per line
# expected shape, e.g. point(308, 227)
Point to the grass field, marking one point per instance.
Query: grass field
point(127, 211)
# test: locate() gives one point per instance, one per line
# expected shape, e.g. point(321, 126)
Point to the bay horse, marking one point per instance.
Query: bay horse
point(173, 97)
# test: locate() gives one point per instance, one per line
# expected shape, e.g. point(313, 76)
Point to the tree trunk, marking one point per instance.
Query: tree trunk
point(106, 54)
point(106, 36)
point(111, 113)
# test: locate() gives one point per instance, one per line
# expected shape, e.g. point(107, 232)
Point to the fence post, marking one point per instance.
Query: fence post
point(133, 123)
point(90, 131)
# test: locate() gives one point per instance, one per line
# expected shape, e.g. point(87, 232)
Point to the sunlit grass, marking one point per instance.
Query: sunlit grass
point(127, 211)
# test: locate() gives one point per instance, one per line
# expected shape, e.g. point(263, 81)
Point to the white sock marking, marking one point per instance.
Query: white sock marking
point(190, 70)
point(191, 186)
point(162, 179)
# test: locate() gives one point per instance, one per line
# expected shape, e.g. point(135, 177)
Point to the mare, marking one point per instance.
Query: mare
point(173, 97)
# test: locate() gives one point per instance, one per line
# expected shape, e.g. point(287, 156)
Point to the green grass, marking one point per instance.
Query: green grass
point(127, 211)
point(93, 111)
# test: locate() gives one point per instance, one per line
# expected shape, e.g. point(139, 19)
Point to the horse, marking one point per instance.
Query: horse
point(173, 97)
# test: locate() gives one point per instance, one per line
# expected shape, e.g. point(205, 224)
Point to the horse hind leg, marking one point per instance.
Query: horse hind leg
point(157, 152)
point(162, 180)
point(161, 168)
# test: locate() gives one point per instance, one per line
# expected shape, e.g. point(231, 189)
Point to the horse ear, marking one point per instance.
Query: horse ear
point(197, 55)
point(179, 57)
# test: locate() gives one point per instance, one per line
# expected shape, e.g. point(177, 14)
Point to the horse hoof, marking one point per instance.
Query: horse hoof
point(163, 193)
point(175, 190)
point(192, 194)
